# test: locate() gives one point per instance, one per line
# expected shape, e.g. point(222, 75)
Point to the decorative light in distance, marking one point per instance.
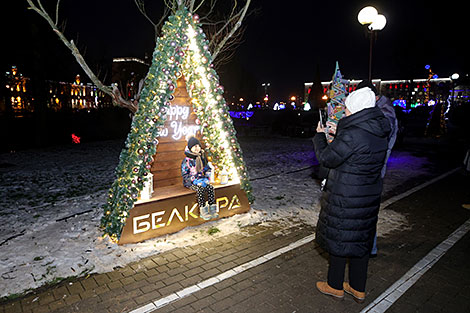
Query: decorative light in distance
point(455, 76)
point(379, 22)
point(367, 15)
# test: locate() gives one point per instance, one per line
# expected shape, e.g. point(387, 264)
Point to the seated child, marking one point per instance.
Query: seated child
point(196, 173)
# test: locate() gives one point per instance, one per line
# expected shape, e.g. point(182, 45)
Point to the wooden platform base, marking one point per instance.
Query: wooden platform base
point(175, 208)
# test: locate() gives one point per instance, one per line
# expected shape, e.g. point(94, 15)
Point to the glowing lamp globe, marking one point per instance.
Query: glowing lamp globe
point(367, 15)
point(379, 22)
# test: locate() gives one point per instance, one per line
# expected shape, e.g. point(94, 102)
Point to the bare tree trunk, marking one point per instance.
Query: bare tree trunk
point(223, 40)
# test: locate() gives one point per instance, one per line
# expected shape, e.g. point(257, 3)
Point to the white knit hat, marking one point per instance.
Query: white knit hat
point(360, 99)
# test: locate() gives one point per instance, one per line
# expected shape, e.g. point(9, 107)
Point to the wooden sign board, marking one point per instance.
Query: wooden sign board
point(172, 212)
point(172, 206)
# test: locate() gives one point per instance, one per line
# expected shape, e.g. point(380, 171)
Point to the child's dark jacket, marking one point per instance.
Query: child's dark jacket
point(189, 172)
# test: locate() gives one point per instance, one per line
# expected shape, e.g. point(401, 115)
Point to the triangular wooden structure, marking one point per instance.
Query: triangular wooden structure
point(181, 96)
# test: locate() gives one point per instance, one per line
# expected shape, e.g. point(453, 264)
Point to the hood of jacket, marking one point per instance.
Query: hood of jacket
point(371, 120)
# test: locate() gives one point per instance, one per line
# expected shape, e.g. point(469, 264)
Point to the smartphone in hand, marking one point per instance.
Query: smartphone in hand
point(323, 117)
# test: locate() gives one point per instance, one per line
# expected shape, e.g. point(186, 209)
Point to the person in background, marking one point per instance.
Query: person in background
point(386, 106)
point(351, 199)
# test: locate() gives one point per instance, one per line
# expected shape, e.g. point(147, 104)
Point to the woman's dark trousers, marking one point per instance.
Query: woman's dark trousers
point(357, 272)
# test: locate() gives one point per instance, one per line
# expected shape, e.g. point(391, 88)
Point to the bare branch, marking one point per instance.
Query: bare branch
point(200, 5)
point(114, 93)
point(207, 15)
point(191, 5)
point(141, 6)
point(57, 13)
point(236, 26)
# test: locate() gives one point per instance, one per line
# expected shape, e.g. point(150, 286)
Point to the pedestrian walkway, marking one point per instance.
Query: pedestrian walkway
point(283, 282)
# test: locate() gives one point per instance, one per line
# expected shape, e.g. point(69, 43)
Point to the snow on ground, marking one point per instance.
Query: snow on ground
point(50, 206)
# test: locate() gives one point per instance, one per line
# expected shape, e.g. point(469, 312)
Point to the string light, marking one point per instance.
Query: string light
point(180, 51)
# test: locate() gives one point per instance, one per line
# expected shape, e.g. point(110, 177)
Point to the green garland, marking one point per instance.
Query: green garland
point(182, 50)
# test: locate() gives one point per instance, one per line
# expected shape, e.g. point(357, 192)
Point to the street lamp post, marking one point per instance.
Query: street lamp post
point(374, 22)
point(454, 78)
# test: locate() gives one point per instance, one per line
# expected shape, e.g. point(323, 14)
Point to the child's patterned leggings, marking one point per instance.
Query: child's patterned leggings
point(200, 194)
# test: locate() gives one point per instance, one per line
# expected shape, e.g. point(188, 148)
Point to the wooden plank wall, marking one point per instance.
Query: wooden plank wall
point(166, 168)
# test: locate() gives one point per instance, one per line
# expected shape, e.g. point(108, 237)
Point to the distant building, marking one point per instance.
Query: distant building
point(17, 98)
point(76, 96)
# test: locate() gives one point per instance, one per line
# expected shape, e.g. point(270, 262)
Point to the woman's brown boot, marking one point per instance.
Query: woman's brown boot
point(358, 296)
point(325, 289)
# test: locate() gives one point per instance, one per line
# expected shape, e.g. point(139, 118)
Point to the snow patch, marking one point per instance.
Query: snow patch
point(45, 234)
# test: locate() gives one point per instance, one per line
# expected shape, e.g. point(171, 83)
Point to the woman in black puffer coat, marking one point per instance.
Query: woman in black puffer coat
point(351, 199)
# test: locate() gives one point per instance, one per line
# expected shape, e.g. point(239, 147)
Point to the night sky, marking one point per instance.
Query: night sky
point(285, 41)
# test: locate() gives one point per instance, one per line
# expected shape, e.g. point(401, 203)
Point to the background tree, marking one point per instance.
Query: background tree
point(223, 28)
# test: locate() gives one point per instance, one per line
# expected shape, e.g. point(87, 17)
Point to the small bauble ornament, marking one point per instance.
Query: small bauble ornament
point(196, 18)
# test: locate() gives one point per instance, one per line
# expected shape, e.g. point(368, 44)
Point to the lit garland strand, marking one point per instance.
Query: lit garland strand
point(182, 49)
